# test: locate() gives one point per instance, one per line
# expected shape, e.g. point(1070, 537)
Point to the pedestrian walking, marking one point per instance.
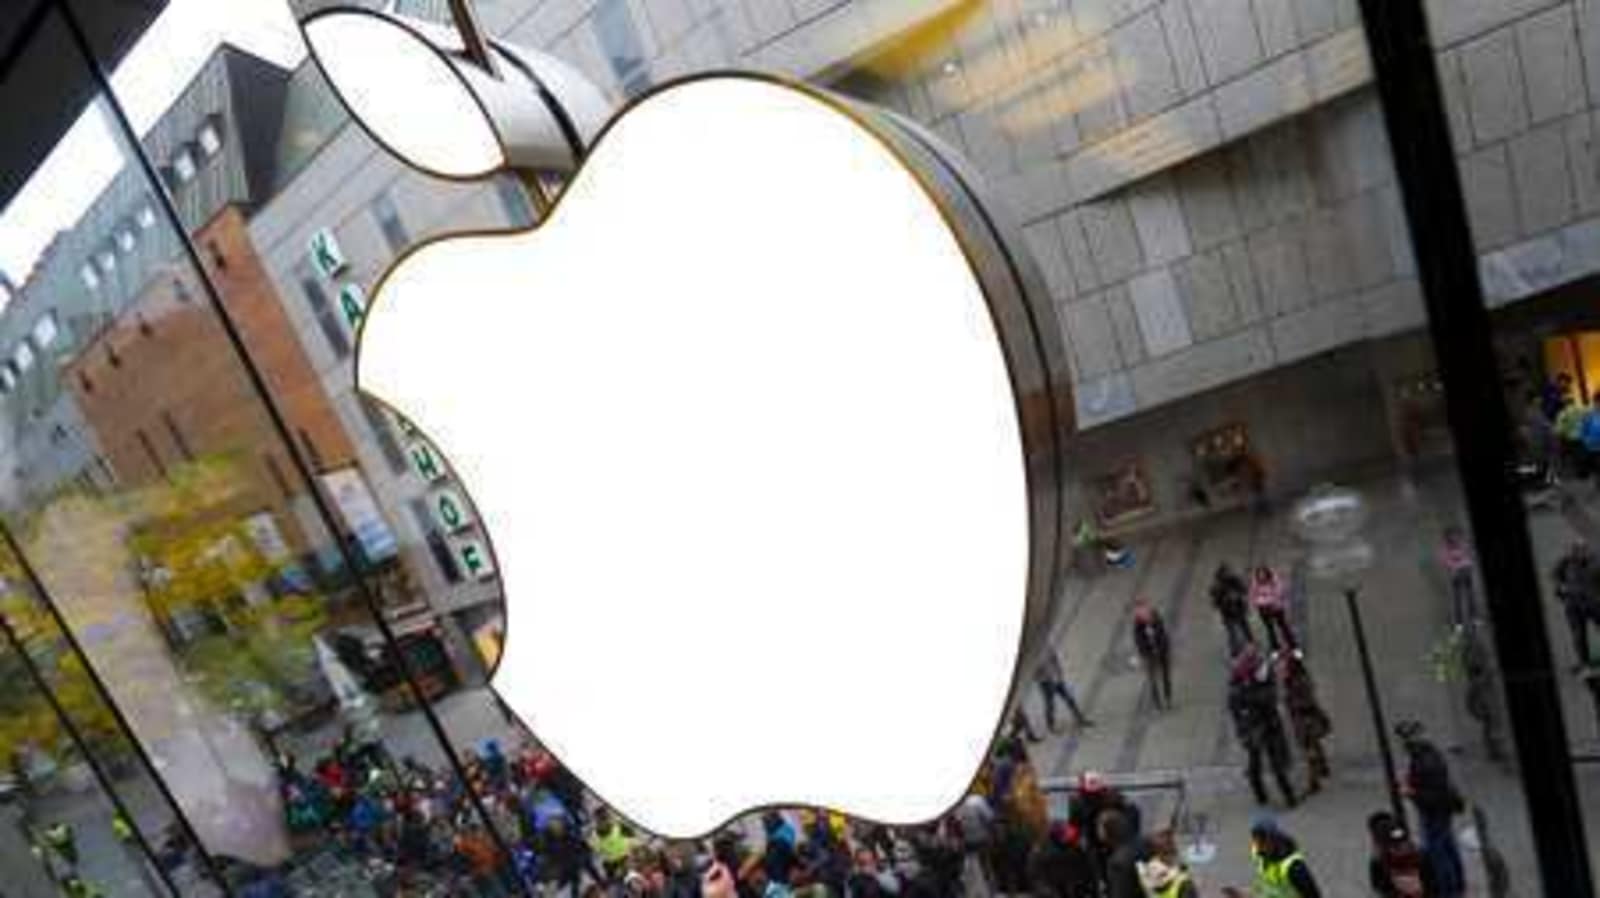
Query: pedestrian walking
point(1428, 784)
point(1155, 651)
point(1396, 868)
point(1568, 431)
point(1577, 581)
point(1455, 556)
point(63, 840)
point(1230, 596)
point(1253, 704)
point(1281, 868)
point(1269, 595)
point(1052, 680)
point(1307, 718)
point(1021, 726)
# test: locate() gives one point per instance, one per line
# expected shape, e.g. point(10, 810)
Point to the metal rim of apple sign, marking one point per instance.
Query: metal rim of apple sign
point(1019, 303)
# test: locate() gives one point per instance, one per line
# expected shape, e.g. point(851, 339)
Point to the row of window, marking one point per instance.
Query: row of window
point(39, 338)
point(124, 237)
point(180, 169)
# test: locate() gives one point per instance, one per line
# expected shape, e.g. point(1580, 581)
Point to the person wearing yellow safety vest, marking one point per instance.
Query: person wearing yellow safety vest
point(612, 843)
point(1164, 878)
point(1281, 870)
point(1567, 426)
point(121, 828)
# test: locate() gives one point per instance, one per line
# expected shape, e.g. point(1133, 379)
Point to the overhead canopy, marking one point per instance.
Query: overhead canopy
point(44, 85)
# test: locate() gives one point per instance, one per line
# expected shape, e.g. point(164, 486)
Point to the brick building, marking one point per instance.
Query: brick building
point(161, 384)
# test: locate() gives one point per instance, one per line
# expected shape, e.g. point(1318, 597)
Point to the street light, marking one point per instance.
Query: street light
point(1330, 520)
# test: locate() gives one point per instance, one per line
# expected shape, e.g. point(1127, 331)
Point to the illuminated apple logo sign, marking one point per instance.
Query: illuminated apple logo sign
point(763, 420)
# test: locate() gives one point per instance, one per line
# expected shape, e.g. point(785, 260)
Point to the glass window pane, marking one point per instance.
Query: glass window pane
point(1206, 193)
point(228, 611)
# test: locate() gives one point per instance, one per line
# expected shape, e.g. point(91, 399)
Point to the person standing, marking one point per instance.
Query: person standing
point(1125, 851)
point(1309, 721)
point(1155, 651)
point(1589, 433)
point(1428, 784)
point(1555, 395)
point(1568, 431)
point(1094, 799)
point(1455, 556)
point(1052, 680)
point(1021, 726)
point(1229, 595)
point(1575, 580)
point(1253, 703)
point(1281, 869)
point(1060, 866)
point(1269, 595)
point(1162, 873)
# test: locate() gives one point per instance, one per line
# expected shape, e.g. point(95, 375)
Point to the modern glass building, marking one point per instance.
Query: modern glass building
point(248, 614)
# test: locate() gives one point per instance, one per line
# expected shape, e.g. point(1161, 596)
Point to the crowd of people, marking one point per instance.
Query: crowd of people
point(1001, 840)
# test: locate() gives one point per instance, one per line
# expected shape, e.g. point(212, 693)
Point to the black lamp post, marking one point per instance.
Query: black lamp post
point(1330, 520)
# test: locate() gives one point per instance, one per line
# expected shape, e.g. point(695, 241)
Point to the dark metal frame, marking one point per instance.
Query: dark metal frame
point(1459, 326)
point(1429, 180)
point(101, 776)
point(129, 137)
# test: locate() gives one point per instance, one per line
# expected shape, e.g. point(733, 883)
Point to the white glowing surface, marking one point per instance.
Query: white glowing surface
point(741, 430)
point(405, 92)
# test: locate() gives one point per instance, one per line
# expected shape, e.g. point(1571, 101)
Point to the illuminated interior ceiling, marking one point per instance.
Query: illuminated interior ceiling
point(44, 85)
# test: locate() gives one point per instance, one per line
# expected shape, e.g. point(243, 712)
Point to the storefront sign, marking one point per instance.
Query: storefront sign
point(326, 256)
point(1123, 495)
point(426, 462)
point(449, 511)
point(268, 540)
point(360, 512)
point(474, 559)
point(353, 304)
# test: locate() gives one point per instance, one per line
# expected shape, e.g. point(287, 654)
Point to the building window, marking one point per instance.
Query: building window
point(24, 357)
point(438, 546)
point(309, 446)
point(210, 137)
point(146, 217)
point(112, 358)
point(145, 328)
point(384, 435)
point(275, 471)
point(177, 436)
point(46, 329)
point(106, 469)
point(327, 318)
point(91, 278)
point(218, 260)
point(513, 201)
point(107, 260)
point(619, 38)
point(394, 230)
point(84, 383)
point(183, 167)
point(180, 290)
point(125, 240)
point(8, 377)
point(150, 453)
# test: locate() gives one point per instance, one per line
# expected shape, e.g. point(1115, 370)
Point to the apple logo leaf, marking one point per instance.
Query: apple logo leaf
point(763, 419)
